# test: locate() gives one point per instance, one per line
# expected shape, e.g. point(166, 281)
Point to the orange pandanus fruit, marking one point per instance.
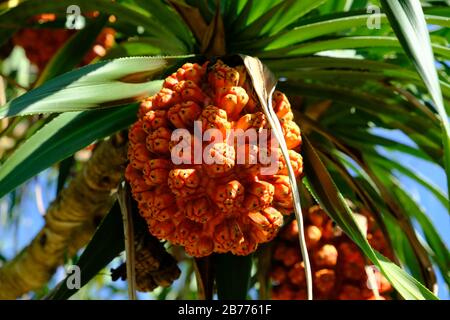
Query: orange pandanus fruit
point(229, 204)
point(338, 266)
point(41, 44)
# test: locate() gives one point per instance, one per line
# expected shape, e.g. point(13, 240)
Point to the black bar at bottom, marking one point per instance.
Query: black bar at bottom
point(197, 310)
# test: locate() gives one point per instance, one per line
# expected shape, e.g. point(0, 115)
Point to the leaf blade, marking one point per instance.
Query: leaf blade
point(232, 276)
point(264, 83)
point(61, 137)
point(408, 21)
point(95, 86)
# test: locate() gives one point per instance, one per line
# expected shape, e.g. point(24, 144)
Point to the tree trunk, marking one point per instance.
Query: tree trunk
point(69, 221)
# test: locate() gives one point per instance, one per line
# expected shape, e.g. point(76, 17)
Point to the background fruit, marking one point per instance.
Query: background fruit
point(41, 44)
point(338, 265)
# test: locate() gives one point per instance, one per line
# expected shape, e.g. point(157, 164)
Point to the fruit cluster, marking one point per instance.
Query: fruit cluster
point(219, 206)
point(338, 266)
point(41, 44)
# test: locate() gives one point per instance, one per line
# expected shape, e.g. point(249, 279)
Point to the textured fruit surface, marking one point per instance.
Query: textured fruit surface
point(41, 44)
point(223, 206)
point(338, 266)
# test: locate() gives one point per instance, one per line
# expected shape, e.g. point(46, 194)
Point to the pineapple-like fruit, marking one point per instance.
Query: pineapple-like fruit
point(338, 266)
point(41, 44)
point(223, 206)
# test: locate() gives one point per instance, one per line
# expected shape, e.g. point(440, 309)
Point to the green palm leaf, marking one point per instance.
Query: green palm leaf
point(408, 22)
point(278, 18)
point(101, 85)
point(57, 140)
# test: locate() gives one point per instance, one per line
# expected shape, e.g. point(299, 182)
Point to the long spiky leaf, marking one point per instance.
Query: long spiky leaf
point(408, 22)
point(264, 84)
